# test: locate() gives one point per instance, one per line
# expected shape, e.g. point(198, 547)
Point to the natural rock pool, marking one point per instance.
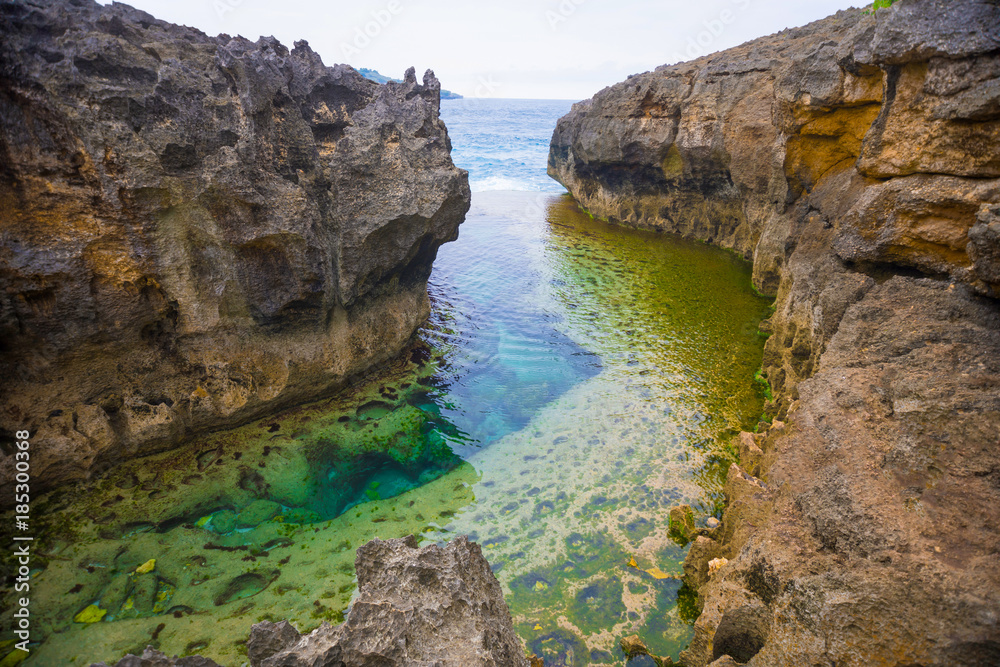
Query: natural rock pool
point(575, 382)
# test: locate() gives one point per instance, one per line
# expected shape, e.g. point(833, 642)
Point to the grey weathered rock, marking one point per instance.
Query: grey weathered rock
point(855, 161)
point(920, 31)
point(732, 148)
point(199, 230)
point(268, 639)
point(984, 243)
point(430, 606)
point(724, 661)
point(702, 550)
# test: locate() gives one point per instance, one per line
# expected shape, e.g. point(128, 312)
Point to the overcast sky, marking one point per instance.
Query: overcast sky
point(550, 49)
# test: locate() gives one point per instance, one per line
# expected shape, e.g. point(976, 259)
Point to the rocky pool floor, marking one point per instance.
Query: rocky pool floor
point(575, 382)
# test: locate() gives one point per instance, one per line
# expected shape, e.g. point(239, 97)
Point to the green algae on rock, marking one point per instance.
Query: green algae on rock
point(565, 501)
point(239, 527)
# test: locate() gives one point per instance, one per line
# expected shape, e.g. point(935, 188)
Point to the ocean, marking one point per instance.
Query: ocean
point(504, 144)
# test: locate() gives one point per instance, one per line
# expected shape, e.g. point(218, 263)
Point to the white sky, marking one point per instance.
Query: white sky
point(549, 49)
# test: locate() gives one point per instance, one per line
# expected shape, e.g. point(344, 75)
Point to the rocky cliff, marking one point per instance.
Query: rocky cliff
point(856, 162)
point(199, 230)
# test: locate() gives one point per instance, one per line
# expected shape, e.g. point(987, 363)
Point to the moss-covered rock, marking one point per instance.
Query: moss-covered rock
point(257, 513)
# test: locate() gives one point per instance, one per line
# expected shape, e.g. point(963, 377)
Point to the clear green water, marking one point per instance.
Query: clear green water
point(575, 382)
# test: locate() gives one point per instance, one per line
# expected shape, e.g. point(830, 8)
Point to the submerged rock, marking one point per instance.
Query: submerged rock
point(257, 513)
point(637, 655)
point(682, 526)
point(224, 522)
point(430, 606)
point(632, 646)
point(153, 658)
point(199, 230)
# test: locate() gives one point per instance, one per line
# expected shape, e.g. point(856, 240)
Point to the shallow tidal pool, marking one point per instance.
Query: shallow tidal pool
point(575, 382)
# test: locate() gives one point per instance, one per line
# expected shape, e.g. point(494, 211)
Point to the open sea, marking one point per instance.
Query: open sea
point(504, 144)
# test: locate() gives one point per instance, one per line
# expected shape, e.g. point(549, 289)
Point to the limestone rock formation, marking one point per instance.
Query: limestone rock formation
point(430, 606)
point(199, 230)
point(854, 160)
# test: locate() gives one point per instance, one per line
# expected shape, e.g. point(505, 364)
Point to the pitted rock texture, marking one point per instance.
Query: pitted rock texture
point(416, 607)
point(199, 230)
point(854, 160)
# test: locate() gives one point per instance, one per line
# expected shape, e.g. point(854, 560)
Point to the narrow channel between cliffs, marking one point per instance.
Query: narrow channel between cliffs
point(323, 371)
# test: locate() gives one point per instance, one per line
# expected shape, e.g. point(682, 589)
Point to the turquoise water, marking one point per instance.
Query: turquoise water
point(575, 381)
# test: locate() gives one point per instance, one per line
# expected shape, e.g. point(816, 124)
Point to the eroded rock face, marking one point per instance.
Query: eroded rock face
point(723, 148)
point(431, 606)
point(199, 230)
point(854, 161)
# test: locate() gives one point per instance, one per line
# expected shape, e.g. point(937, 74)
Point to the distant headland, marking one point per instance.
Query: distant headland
point(378, 77)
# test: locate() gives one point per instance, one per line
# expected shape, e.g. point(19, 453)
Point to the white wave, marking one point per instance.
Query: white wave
point(494, 183)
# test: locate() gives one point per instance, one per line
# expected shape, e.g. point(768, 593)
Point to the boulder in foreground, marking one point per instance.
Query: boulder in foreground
point(430, 606)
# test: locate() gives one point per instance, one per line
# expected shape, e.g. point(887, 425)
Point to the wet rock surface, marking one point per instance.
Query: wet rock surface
point(430, 606)
point(855, 165)
point(199, 230)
